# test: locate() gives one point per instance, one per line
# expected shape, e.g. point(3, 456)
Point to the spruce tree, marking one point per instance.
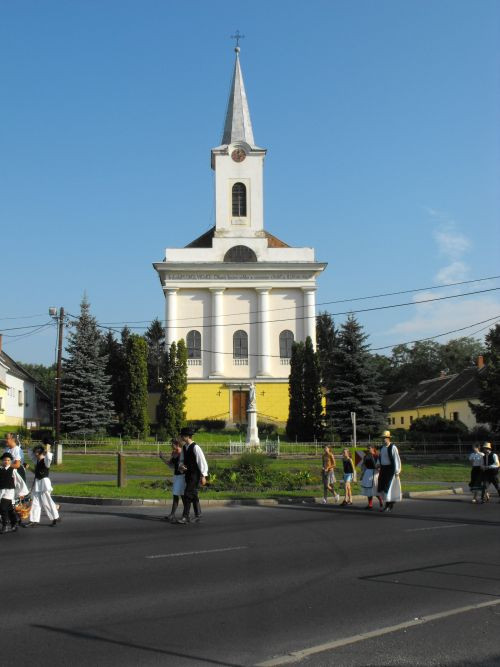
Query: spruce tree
point(326, 337)
point(295, 422)
point(155, 338)
point(86, 406)
point(135, 418)
point(488, 412)
point(355, 385)
point(171, 413)
point(115, 369)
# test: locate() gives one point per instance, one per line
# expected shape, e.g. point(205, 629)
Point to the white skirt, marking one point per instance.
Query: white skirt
point(369, 483)
point(394, 494)
point(179, 485)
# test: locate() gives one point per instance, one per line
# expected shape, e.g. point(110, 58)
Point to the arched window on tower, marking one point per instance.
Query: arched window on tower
point(239, 200)
point(240, 348)
point(193, 344)
point(286, 342)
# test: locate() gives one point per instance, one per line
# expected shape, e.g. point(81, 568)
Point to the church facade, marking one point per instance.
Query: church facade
point(238, 295)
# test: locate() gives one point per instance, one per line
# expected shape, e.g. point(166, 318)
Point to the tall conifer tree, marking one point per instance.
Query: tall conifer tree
point(295, 423)
point(85, 393)
point(171, 412)
point(155, 338)
point(313, 408)
point(355, 384)
point(488, 412)
point(135, 418)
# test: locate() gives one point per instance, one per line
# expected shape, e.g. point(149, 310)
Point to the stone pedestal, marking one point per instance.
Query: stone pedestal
point(252, 430)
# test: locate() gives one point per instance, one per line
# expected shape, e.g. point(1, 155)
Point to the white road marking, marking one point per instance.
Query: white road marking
point(196, 553)
point(455, 525)
point(297, 656)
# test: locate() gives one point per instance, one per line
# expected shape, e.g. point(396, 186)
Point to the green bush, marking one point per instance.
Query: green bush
point(267, 429)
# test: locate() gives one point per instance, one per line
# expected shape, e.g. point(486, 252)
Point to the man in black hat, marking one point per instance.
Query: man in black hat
point(196, 471)
point(11, 484)
point(491, 467)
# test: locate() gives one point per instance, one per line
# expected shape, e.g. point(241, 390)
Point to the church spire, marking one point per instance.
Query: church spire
point(238, 126)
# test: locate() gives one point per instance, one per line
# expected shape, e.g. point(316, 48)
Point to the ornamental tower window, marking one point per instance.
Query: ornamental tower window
point(239, 200)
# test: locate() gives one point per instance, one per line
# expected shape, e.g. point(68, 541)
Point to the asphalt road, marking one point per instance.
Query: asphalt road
point(249, 585)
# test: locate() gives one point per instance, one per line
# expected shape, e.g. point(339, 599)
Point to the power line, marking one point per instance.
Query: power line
point(22, 317)
point(32, 326)
point(14, 338)
point(322, 303)
point(308, 317)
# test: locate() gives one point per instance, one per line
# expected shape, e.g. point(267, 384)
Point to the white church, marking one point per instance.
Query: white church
point(238, 295)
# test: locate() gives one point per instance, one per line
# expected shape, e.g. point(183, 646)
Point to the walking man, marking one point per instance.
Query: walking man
point(14, 449)
point(11, 484)
point(389, 486)
point(196, 471)
point(490, 471)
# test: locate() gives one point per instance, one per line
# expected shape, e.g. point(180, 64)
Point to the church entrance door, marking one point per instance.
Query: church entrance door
point(240, 405)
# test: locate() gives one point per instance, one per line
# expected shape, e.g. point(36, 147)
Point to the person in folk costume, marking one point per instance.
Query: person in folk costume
point(176, 461)
point(12, 446)
point(389, 486)
point(476, 474)
point(42, 487)
point(369, 476)
point(328, 474)
point(11, 485)
point(490, 471)
point(196, 471)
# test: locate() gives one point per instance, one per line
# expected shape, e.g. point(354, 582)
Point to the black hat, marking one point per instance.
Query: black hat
point(187, 431)
point(7, 455)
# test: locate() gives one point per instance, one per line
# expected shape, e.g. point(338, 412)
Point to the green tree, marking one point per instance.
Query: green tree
point(488, 412)
point(171, 407)
point(155, 338)
point(356, 385)
point(135, 418)
point(114, 352)
point(295, 422)
point(86, 404)
point(313, 408)
point(45, 376)
point(461, 353)
point(412, 364)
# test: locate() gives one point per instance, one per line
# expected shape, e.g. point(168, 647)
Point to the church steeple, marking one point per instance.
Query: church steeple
point(238, 125)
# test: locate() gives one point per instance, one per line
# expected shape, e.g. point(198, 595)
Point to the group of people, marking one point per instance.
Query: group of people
point(485, 468)
point(379, 470)
point(13, 487)
point(190, 472)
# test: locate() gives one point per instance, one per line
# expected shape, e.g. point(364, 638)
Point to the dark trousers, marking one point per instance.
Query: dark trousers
point(22, 472)
point(490, 477)
point(7, 512)
point(191, 495)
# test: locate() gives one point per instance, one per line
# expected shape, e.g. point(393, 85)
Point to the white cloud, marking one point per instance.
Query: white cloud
point(453, 273)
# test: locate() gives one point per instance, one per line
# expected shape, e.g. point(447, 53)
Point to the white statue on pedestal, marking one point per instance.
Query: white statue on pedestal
point(252, 430)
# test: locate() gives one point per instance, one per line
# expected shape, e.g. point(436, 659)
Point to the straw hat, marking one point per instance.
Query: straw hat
point(386, 434)
point(487, 445)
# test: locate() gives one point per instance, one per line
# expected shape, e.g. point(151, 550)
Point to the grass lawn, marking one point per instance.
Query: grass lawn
point(94, 464)
point(138, 489)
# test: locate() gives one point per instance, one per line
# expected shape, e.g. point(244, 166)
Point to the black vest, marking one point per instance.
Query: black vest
point(489, 459)
point(390, 453)
point(41, 470)
point(190, 460)
point(369, 462)
point(7, 478)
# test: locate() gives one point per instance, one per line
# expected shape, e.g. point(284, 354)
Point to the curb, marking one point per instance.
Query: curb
point(211, 502)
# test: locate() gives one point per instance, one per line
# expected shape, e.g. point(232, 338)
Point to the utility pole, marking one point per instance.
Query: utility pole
point(354, 437)
point(60, 333)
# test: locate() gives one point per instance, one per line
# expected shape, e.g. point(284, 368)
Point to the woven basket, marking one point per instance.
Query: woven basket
point(23, 510)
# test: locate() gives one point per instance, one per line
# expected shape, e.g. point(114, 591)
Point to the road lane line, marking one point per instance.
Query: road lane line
point(195, 553)
point(297, 656)
point(455, 525)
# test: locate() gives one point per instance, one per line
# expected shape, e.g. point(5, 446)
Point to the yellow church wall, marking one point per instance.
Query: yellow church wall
point(214, 401)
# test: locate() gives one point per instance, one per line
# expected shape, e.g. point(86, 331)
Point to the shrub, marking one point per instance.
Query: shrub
point(209, 425)
point(267, 429)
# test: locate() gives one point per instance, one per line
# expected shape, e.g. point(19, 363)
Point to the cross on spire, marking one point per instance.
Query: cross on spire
point(237, 37)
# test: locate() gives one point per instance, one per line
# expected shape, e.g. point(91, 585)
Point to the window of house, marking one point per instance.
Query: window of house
point(240, 346)
point(26, 402)
point(19, 397)
point(193, 343)
point(286, 342)
point(394, 420)
point(239, 200)
point(455, 416)
point(411, 419)
point(402, 420)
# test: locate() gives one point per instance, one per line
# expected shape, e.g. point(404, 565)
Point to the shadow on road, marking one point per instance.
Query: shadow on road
point(140, 647)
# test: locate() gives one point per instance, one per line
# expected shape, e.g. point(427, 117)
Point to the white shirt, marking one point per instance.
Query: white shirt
point(477, 459)
point(493, 461)
point(201, 461)
point(20, 488)
point(15, 452)
point(386, 461)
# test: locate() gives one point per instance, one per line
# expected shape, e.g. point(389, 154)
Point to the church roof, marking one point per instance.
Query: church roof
point(205, 240)
point(238, 125)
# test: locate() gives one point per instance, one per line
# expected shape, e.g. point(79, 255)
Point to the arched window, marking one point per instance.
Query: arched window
point(239, 200)
point(240, 345)
point(193, 343)
point(240, 253)
point(286, 342)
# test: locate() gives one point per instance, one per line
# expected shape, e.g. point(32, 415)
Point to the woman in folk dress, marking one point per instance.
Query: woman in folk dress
point(11, 485)
point(476, 474)
point(176, 462)
point(42, 488)
point(369, 476)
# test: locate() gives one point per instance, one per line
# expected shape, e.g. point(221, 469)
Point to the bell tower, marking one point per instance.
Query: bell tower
point(239, 167)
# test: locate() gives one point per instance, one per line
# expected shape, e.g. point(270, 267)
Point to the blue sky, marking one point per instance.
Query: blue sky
point(380, 120)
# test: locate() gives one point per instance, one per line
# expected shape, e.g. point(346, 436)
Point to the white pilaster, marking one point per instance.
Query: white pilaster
point(264, 348)
point(309, 311)
point(217, 331)
point(171, 315)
